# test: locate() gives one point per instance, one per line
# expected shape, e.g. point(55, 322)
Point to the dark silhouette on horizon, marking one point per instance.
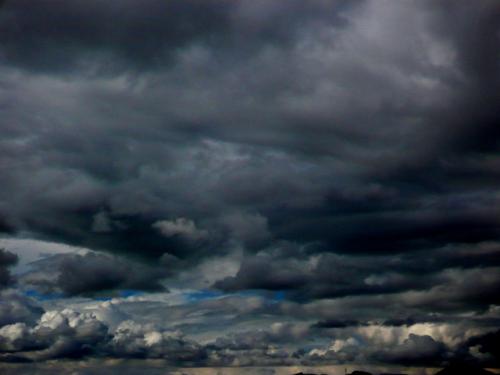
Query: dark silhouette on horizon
point(463, 368)
point(454, 368)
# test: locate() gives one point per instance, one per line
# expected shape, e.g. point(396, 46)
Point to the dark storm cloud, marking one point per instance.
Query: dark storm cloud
point(7, 259)
point(299, 154)
point(337, 323)
point(132, 36)
point(345, 152)
point(415, 351)
point(15, 308)
point(328, 275)
point(483, 348)
point(424, 350)
point(75, 34)
point(91, 273)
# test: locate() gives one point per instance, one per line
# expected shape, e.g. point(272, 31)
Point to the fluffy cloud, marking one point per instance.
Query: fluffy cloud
point(117, 332)
point(132, 340)
point(64, 334)
point(69, 334)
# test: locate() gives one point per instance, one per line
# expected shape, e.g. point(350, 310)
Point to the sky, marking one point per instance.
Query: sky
point(198, 187)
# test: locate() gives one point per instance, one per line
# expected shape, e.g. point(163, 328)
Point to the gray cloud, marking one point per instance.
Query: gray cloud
point(415, 350)
point(63, 334)
point(483, 349)
point(131, 340)
point(95, 333)
point(15, 308)
point(69, 334)
point(335, 160)
point(147, 37)
point(91, 273)
point(311, 163)
point(452, 270)
point(7, 259)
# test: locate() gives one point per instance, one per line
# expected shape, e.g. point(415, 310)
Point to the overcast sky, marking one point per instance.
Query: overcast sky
point(286, 184)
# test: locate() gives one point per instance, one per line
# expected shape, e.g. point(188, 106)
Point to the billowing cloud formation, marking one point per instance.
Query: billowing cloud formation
point(331, 166)
point(329, 128)
point(63, 334)
point(70, 334)
point(123, 328)
point(136, 341)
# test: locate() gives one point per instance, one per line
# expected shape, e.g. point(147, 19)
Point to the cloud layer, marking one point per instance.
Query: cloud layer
point(323, 175)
